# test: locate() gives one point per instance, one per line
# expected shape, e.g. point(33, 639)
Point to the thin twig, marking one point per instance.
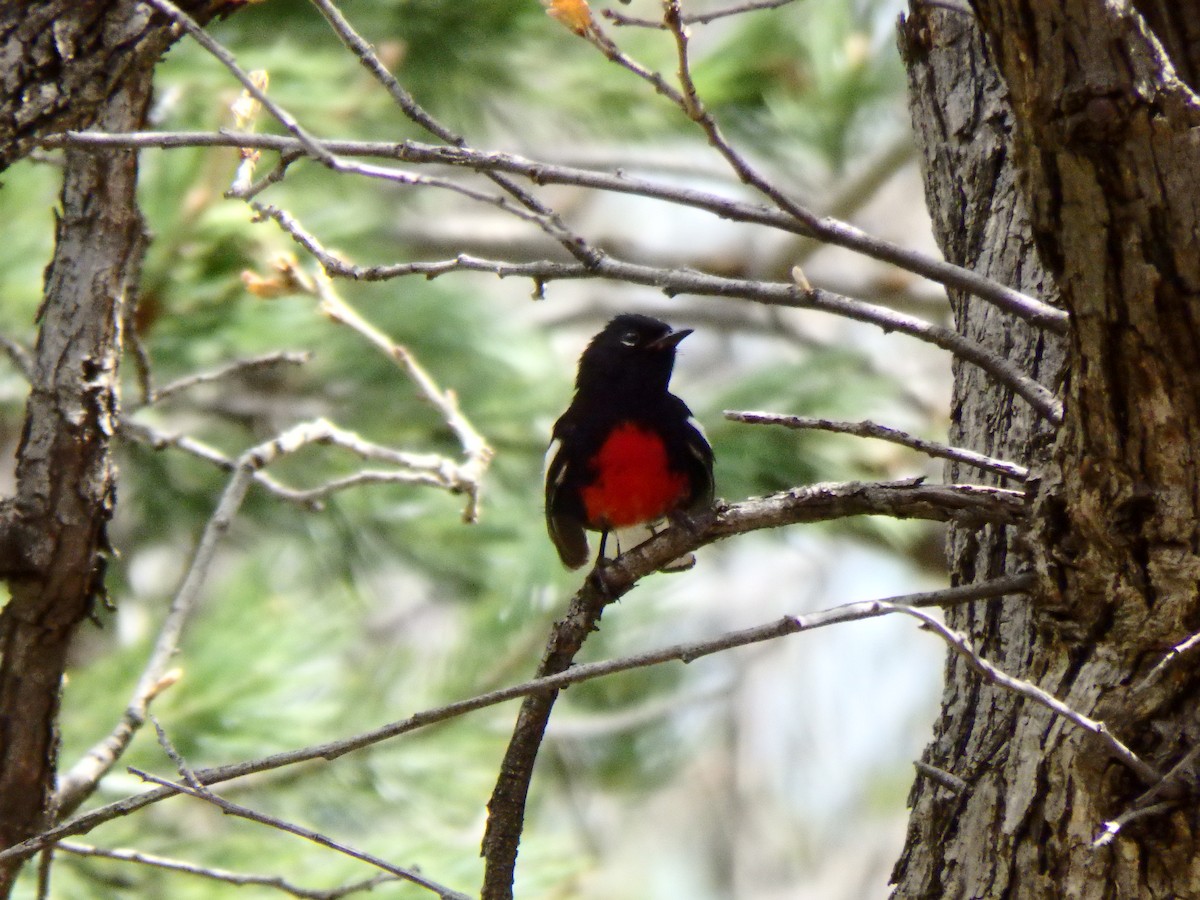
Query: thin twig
point(18, 356)
point(960, 645)
point(619, 18)
point(427, 469)
point(689, 99)
point(225, 876)
point(44, 871)
point(689, 281)
point(243, 812)
point(956, 6)
point(824, 228)
point(156, 439)
point(1169, 658)
point(467, 477)
point(1113, 827)
point(311, 145)
point(542, 215)
point(689, 102)
point(941, 776)
point(1162, 796)
point(237, 367)
point(869, 429)
point(193, 788)
point(529, 209)
point(78, 783)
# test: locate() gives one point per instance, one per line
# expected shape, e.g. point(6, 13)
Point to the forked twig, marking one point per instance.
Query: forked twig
point(192, 786)
point(81, 779)
point(467, 477)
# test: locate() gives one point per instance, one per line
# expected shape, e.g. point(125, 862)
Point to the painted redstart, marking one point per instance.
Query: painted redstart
point(626, 452)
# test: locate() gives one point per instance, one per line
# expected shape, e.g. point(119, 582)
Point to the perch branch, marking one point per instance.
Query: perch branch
point(506, 809)
point(818, 503)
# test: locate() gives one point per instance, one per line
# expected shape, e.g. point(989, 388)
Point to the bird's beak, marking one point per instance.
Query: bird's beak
point(670, 340)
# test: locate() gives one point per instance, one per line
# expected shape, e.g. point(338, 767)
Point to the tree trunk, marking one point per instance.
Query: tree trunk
point(1064, 127)
point(68, 64)
point(65, 478)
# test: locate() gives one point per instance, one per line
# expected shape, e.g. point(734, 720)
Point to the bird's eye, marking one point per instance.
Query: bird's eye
point(629, 339)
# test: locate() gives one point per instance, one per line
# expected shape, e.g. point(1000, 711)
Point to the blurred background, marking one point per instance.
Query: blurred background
point(776, 771)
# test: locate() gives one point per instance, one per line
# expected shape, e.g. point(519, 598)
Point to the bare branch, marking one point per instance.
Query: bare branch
point(824, 228)
point(1169, 658)
point(544, 216)
point(946, 779)
point(882, 432)
point(529, 209)
point(81, 780)
point(18, 355)
point(466, 478)
point(688, 281)
point(960, 645)
point(506, 809)
point(1113, 827)
point(690, 103)
point(160, 440)
point(225, 876)
point(235, 809)
point(310, 144)
point(1164, 795)
point(237, 367)
point(618, 18)
point(957, 6)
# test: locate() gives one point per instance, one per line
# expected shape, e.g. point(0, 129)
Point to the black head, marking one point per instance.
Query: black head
point(633, 352)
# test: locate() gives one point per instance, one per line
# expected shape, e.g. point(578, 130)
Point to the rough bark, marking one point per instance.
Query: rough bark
point(1077, 142)
point(60, 61)
point(65, 477)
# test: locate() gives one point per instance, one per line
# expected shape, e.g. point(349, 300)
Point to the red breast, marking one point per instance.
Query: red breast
point(633, 483)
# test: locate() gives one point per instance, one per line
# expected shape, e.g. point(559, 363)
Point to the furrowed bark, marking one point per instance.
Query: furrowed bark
point(65, 476)
point(60, 61)
point(1078, 120)
point(962, 120)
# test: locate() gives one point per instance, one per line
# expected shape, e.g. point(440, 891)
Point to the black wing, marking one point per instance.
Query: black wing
point(564, 517)
point(692, 456)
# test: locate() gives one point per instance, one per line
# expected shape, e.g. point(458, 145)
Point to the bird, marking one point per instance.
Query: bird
point(627, 453)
